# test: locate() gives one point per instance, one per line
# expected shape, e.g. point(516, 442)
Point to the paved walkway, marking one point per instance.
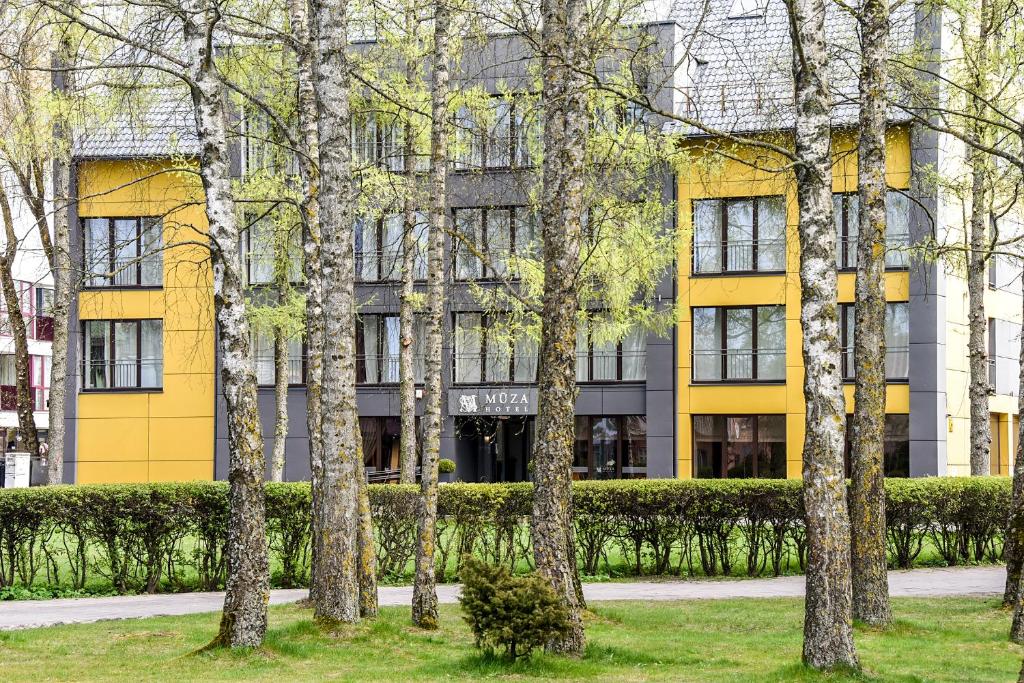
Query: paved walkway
point(976, 581)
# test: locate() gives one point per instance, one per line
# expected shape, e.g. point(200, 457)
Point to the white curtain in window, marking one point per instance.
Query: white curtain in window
point(771, 342)
point(740, 235)
point(468, 224)
point(499, 240)
point(771, 234)
point(634, 355)
point(707, 236)
point(897, 340)
point(391, 251)
point(707, 344)
point(467, 348)
point(152, 353)
point(392, 346)
point(371, 334)
point(151, 241)
point(126, 354)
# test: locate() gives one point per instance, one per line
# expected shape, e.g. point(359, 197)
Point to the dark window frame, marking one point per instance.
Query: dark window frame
point(620, 446)
point(381, 339)
point(514, 153)
point(723, 352)
point(724, 270)
point(305, 370)
point(378, 256)
point(111, 252)
point(112, 323)
point(845, 343)
point(246, 243)
point(619, 356)
point(485, 270)
point(844, 235)
point(723, 474)
point(848, 443)
point(485, 326)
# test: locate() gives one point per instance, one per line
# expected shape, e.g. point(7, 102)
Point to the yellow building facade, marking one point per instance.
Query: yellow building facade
point(734, 411)
point(154, 421)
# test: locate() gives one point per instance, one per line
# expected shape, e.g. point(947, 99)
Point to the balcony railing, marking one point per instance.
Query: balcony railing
point(739, 365)
point(897, 363)
point(264, 366)
point(9, 397)
point(124, 373)
point(379, 369)
point(739, 256)
point(896, 254)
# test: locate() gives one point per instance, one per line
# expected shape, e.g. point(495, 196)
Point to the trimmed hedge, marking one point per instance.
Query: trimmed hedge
point(153, 537)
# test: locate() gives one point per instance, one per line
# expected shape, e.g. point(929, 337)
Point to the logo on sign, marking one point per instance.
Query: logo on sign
point(467, 404)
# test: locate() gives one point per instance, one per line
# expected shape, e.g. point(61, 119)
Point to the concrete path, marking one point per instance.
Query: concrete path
point(966, 581)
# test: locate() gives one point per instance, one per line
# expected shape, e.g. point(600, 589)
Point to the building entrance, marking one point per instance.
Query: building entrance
point(497, 448)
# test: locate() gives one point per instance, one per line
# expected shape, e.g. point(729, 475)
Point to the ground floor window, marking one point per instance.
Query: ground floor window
point(739, 446)
point(896, 451)
point(610, 447)
point(382, 443)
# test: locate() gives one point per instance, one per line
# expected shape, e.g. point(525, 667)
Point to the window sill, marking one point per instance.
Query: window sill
point(120, 288)
point(737, 382)
point(126, 390)
point(897, 381)
point(738, 273)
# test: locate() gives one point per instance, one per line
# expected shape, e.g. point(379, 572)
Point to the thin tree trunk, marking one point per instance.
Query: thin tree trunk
point(16, 319)
point(63, 278)
point(424, 597)
point(307, 158)
point(244, 620)
point(867, 489)
point(365, 540)
point(977, 342)
point(828, 628)
point(562, 205)
point(336, 595)
point(1014, 592)
point(281, 405)
point(406, 315)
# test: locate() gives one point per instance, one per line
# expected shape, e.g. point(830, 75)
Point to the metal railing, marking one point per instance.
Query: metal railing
point(897, 363)
point(385, 369)
point(896, 251)
point(124, 373)
point(739, 256)
point(724, 365)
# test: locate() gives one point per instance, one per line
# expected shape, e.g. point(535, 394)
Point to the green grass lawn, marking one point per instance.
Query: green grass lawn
point(961, 639)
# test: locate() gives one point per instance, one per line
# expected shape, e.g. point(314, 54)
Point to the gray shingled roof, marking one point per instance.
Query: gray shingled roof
point(742, 71)
point(159, 125)
point(741, 80)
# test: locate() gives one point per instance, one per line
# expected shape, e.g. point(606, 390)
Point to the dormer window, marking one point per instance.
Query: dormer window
point(747, 9)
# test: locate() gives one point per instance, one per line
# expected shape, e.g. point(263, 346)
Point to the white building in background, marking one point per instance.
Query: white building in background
point(35, 286)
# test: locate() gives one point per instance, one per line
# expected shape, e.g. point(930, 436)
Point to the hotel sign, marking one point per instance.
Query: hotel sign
point(492, 401)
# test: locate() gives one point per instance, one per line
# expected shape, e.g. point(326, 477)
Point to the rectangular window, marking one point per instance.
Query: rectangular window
point(607, 360)
point(260, 244)
point(739, 446)
point(499, 234)
point(484, 354)
point(378, 348)
point(122, 354)
point(123, 252)
point(610, 447)
point(261, 347)
point(897, 340)
point(42, 315)
point(379, 247)
point(992, 353)
point(739, 344)
point(39, 381)
point(895, 449)
point(498, 141)
point(739, 235)
point(378, 139)
point(897, 229)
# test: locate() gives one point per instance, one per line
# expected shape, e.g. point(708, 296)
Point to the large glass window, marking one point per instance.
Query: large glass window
point(484, 352)
point(495, 139)
point(123, 252)
point(122, 354)
point(610, 447)
point(378, 139)
point(39, 381)
point(895, 449)
point(897, 229)
point(606, 360)
point(378, 348)
point(739, 235)
point(262, 349)
point(497, 234)
point(743, 344)
point(739, 446)
point(262, 242)
point(42, 314)
point(897, 340)
point(379, 247)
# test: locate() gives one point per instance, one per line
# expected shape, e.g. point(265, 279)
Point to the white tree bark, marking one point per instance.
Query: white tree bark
point(244, 620)
point(828, 624)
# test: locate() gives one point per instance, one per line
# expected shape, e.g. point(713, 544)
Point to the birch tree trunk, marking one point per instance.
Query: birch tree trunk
point(977, 322)
point(867, 489)
point(244, 620)
point(565, 132)
point(307, 159)
point(280, 405)
point(63, 278)
point(828, 629)
point(336, 595)
point(16, 320)
point(1013, 595)
point(406, 315)
point(424, 596)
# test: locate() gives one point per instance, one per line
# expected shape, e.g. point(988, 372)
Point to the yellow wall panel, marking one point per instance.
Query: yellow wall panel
point(113, 404)
point(181, 438)
point(188, 395)
point(113, 439)
point(111, 472)
point(738, 399)
point(181, 470)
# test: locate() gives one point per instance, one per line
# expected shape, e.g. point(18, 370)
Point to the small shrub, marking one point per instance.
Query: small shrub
point(446, 466)
point(514, 613)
